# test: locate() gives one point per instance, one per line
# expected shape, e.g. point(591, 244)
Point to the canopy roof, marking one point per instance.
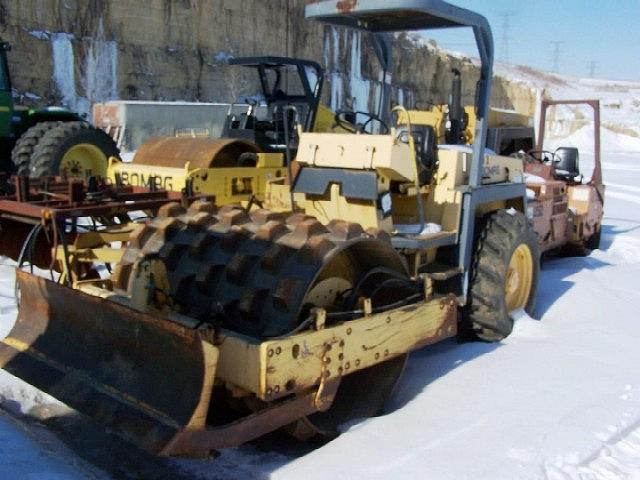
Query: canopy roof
point(394, 15)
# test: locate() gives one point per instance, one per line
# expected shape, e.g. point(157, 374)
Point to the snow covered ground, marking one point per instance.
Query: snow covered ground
point(25, 455)
point(559, 399)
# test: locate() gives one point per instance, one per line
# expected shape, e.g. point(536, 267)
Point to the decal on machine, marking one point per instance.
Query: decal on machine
point(151, 181)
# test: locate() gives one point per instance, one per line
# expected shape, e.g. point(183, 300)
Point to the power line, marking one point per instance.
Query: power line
point(557, 51)
point(505, 39)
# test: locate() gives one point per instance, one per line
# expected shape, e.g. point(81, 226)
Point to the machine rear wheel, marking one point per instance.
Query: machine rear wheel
point(26, 144)
point(73, 149)
point(363, 394)
point(594, 240)
point(504, 275)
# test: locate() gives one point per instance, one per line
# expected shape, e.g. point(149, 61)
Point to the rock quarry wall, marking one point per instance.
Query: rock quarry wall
point(77, 52)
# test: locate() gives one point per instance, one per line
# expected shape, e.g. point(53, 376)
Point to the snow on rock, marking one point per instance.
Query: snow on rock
point(619, 106)
point(98, 73)
point(63, 68)
point(611, 141)
point(40, 34)
point(101, 68)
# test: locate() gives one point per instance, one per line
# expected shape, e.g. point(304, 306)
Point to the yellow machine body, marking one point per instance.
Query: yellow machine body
point(391, 160)
point(227, 184)
point(208, 166)
point(436, 117)
point(220, 323)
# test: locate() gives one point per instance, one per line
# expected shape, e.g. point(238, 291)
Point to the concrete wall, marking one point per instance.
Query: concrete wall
point(76, 52)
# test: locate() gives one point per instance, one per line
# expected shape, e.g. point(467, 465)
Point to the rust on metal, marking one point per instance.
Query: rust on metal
point(51, 202)
point(107, 115)
point(249, 428)
point(346, 6)
point(131, 385)
point(199, 152)
point(119, 366)
point(222, 258)
point(13, 234)
point(449, 327)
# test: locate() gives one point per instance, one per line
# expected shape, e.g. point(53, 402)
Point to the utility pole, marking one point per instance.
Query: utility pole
point(505, 39)
point(556, 56)
point(593, 66)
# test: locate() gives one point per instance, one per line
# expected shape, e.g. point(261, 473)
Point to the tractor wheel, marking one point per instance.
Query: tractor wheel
point(362, 394)
point(22, 151)
point(504, 275)
point(73, 149)
point(581, 249)
point(593, 243)
point(261, 274)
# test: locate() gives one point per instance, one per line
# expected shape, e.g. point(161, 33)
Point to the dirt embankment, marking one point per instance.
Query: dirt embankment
point(76, 52)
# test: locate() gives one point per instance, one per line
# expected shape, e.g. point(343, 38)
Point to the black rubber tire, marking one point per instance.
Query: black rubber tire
point(593, 243)
point(581, 249)
point(49, 152)
point(24, 147)
point(486, 317)
point(572, 250)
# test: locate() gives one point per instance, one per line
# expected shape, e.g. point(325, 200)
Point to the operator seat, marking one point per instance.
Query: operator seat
point(567, 164)
point(236, 122)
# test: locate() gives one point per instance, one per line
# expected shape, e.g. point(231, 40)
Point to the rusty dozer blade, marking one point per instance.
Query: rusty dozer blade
point(147, 378)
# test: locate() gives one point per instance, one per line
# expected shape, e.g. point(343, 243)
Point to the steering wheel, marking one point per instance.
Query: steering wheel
point(543, 156)
point(361, 127)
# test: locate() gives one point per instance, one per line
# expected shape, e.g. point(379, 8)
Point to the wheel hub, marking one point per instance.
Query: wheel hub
point(83, 160)
point(519, 279)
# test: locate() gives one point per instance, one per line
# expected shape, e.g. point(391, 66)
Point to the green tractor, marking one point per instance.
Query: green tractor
point(50, 141)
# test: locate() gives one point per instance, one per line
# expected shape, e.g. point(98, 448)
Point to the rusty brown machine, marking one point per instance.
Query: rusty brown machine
point(220, 324)
point(566, 209)
point(69, 226)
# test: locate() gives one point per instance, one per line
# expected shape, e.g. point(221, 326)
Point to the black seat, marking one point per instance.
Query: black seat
point(567, 164)
point(241, 121)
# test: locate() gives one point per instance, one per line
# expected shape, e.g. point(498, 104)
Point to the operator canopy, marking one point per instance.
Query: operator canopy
point(378, 16)
point(394, 15)
point(403, 15)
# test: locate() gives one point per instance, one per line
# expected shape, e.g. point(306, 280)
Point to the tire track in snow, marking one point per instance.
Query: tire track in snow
point(617, 459)
point(623, 196)
point(619, 186)
point(624, 249)
point(618, 167)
